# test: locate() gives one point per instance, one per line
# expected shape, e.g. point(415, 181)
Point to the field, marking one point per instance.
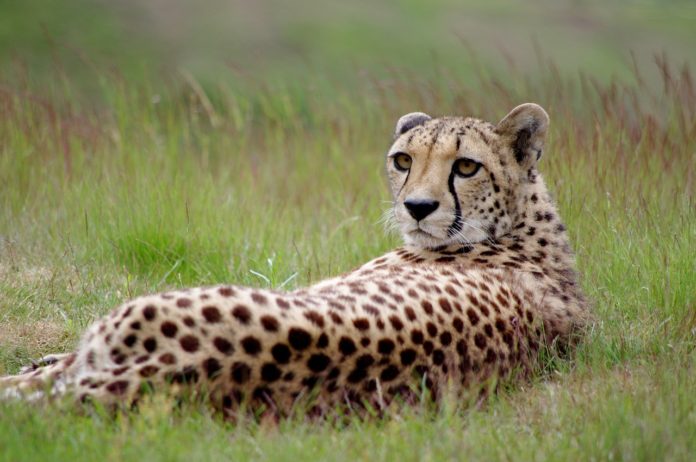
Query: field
point(119, 178)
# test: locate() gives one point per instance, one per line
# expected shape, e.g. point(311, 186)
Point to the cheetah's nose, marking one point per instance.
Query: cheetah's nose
point(420, 208)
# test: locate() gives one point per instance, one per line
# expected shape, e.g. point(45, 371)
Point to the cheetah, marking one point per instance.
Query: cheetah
point(485, 278)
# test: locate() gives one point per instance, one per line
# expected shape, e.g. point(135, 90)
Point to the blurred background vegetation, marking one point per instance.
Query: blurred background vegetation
point(242, 40)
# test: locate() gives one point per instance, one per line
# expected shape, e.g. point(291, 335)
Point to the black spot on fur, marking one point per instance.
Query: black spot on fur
point(117, 388)
point(186, 375)
point(269, 323)
point(223, 345)
point(480, 340)
point(258, 298)
point(183, 302)
point(346, 346)
point(251, 345)
point(150, 344)
point(149, 312)
point(315, 318)
point(389, 373)
point(364, 361)
point(169, 329)
point(242, 314)
point(281, 353)
point(417, 336)
point(396, 323)
point(385, 346)
point(189, 343)
point(445, 338)
point(408, 356)
point(130, 340)
point(473, 317)
point(432, 329)
point(318, 362)
point(299, 338)
point(240, 372)
point(270, 372)
point(323, 341)
point(212, 367)
point(211, 314)
point(438, 357)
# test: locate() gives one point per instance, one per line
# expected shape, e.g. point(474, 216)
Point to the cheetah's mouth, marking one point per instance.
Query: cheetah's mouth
point(419, 236)
point(430, 234)
point(422, 233)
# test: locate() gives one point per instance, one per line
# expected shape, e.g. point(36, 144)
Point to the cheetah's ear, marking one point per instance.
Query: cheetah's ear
point(524, 128)
point(410, 121)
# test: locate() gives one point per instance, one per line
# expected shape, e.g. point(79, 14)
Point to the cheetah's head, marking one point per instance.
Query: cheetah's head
point(457, 180)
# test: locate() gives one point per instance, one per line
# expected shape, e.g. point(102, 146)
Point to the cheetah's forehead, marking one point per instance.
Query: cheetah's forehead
point(447, 137)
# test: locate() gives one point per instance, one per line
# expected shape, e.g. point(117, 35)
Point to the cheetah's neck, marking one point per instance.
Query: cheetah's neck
point(536, 243)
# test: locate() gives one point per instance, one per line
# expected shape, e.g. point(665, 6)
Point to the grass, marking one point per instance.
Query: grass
point(170, 183)
point(637, 415)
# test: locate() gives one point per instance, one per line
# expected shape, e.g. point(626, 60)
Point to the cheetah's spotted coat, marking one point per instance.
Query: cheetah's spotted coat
point(485, 278)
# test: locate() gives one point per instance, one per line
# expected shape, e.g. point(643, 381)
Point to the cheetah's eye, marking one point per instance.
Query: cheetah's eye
point(466, 167)
point(402, 161)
